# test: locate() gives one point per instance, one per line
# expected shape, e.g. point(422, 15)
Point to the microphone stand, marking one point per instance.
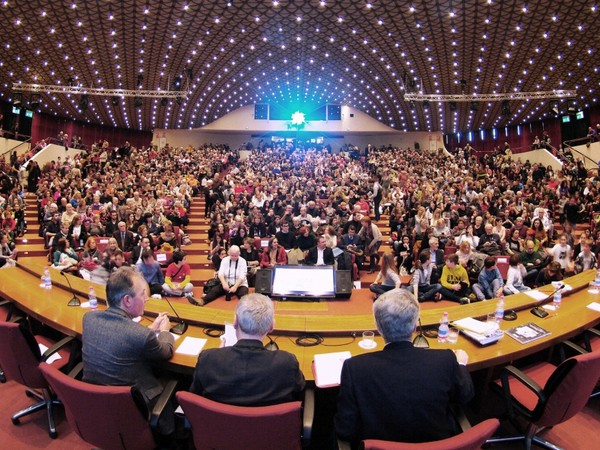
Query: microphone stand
point(181, 327)
point(420, 341)
point(537, 311)
point(74, 300)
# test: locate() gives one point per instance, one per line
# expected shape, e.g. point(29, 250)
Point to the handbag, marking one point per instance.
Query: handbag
point(211, 284)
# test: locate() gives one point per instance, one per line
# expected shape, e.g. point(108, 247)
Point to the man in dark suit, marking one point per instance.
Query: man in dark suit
point(437, 259)
point(247, 374)
point(136, 254)
point(118, 351)
point(125, 238)
point(401, 393)
point(320, 255)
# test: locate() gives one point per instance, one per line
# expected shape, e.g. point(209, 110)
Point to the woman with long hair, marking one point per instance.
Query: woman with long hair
point(273, 255)
point(388, 277)
point(422, 287)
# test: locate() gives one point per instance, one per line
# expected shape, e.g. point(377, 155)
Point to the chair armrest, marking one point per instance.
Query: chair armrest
point(56, 347)
point(308, 415)
point(343, 445)
point(576, 348)
point(162, 401)
point(459, 415)
point(77, 371)
point(590, 333)
point(527, 381)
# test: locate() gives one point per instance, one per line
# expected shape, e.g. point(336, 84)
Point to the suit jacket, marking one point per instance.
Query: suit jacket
point(345, 241)
point(400, 393)
point(311, 258)
point(247, 374)
point(126, 244)
point(118, 351)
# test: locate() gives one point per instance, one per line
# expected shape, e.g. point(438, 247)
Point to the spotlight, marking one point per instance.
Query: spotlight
point(177, 83)
point(571, 106)
point(137, 102)
point(83, 102)
point(34, 101)
point(452, 106)
point(164, 101)
point(554, 108)
point(474, 106)
point(17, 98)
point(505, 108)
point(115, 100)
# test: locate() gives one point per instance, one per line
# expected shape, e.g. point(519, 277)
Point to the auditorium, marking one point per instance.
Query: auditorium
point(286, 224)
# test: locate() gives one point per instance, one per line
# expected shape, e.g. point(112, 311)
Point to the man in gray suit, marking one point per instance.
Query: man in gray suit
point(118, 351)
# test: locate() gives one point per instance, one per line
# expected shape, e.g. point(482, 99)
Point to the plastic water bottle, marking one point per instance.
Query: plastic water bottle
point(597, 280)
point(47, 279)
point(92, 298)
point(443, 329)
point(557, 299)
point(500, 309)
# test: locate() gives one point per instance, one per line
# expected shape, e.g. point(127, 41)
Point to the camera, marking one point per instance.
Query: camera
point(228, 296)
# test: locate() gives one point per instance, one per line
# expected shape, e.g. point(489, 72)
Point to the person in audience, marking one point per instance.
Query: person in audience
point(455, 281)
point(304, 239)
point(586, 260)
point(515, 275)
point(138, 250)
point(552, 272)
point(120, 352)
point(151, 271)
point(562, 254)
point(533, 261)
point(217, 259)
point(353, 243)
point(245, 373)
point(124, 237)
point(489, 283)
point(65, 257)
point(8, 255)
point(177, 279)
point(91, 257)
point(320, 254)
point(233, 279)
point(273, 255)
point(372, 406)
point(372, 237)
point(285, 237)
point(252, 258)
point(420, 283)
point(387, 278)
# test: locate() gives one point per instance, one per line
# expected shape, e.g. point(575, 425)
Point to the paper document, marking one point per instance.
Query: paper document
point(191, 346)
point(53, 357)
point(595, 306)
point(230, 336)
point(327, 368)
point(472, 325)
point(536, 295)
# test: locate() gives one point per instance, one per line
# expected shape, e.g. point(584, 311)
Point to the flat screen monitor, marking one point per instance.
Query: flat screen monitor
point(29, 114)
point(16, 110)
point(303, 282)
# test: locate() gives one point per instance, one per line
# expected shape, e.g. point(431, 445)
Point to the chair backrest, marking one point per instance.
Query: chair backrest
point(20, 355)
point(217, 425)
point(502, 262)
point(103, 416)
point(471, 439)
point(569, 388)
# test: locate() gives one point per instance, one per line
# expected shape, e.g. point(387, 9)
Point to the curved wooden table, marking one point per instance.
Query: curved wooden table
point(22, 286)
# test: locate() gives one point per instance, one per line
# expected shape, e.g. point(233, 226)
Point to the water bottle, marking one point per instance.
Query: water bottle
point(500, 309)
point(443, 329)
point(47, 279)
point(597, 280)
point(557, 299)
point(92, 298)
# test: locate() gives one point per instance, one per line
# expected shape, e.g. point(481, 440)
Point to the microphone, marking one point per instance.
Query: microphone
point(420, 341)
point(74, 300)
point(181, 327)
point(271, 345)
point(540, 312)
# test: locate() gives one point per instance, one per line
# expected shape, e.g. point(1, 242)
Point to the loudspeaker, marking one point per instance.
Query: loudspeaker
point(343, 283)
point(263, 283)
point(417, 146)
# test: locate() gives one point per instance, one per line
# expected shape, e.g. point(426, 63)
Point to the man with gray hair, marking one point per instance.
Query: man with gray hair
point(401, 393)
point(247, 374)
point(232, 277)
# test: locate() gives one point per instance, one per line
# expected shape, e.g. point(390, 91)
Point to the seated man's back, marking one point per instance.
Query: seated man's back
point(400, 393)
point(247, 374)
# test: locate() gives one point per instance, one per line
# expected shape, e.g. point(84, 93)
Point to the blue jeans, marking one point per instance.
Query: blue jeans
point(481, 293)
point(427, 291)
point(380, 288)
